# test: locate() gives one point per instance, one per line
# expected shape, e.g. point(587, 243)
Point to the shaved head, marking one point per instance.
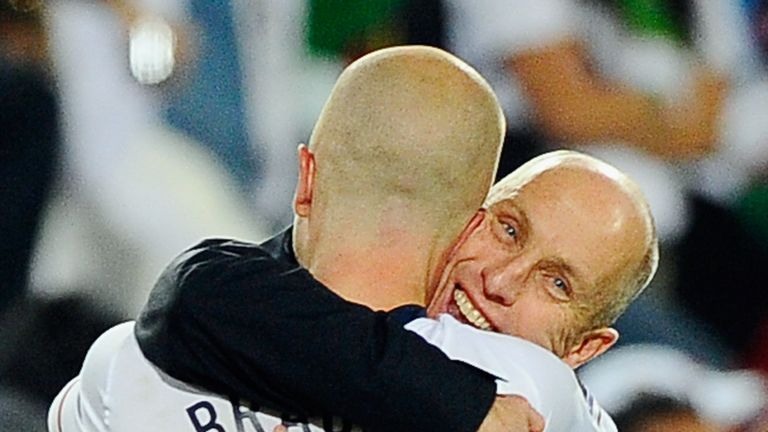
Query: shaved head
point(565, 244)
point(413, 122)
point(406, 147)
point(619, 199)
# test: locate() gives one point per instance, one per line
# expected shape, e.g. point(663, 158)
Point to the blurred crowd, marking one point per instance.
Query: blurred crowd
point(130, 129)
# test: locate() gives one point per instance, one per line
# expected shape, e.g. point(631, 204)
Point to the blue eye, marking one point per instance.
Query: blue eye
point(560, 284)
point(511, 231)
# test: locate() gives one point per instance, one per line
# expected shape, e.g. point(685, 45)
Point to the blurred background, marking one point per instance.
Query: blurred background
point(131, 129)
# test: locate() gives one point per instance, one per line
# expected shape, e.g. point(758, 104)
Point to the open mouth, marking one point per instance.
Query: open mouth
point(467, 312)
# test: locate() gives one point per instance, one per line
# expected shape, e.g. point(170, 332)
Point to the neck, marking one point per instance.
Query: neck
point(382, 273)
point(378, 259)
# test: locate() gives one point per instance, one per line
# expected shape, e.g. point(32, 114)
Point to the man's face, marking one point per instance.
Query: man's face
point(549, 248)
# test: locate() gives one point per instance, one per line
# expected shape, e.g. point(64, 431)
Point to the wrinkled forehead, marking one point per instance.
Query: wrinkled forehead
point(582, 216)
point(575, 193)
point(508, 187)
point(555, 164)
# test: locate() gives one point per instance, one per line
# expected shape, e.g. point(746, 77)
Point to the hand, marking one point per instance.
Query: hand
point(512, 414)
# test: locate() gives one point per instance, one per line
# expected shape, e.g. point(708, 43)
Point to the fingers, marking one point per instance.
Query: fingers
point(512, 414)
point(535, 421)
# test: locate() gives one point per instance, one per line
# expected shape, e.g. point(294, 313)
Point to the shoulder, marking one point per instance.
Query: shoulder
point(96, 366)
point(216, 264)
point(217, 253)
point(496, 353)
point(521, 367)
point(85, 400)
point(208, 278)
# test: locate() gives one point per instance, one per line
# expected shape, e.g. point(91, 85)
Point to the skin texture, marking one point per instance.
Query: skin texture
point(370, 199)
point(506, 415)
point(382, 186)
point(560, 236)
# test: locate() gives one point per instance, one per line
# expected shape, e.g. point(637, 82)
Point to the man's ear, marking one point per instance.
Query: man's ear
point(592, 344)
point(302, 203)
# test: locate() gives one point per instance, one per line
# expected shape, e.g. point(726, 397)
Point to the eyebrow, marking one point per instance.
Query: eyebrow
point(574, 275)
point(509, 207)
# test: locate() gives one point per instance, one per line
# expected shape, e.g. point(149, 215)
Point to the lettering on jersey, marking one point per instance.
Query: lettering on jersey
point(335, 424)
point(294, 423)
point(210, 424)
point(241, 414)
point(602, 419)
point(204, 418)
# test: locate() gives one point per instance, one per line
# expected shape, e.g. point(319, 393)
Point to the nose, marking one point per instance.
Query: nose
point(503, 280)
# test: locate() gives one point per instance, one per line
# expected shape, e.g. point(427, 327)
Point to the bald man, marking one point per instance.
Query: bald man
point(387, 180)
point(387, 173)
point(567, 243)
point(208, 416)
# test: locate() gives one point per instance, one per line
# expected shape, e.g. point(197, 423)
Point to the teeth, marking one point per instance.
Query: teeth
point(470, 313)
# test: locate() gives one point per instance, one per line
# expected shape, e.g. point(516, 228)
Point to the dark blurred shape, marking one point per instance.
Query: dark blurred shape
point(722, 273)
point(656, 413)
point(44, 344)
point(350, 28)
point(520, 146)
point(22, 6)
point(29, 146)
point(757, 354)
point(20, 413)
point(650, 320)
point(752, 209)
point(759, 16)
point(425, 22)
point(753, 212)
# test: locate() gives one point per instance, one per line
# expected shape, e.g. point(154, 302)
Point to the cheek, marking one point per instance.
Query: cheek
point(480, 242)
point(535, 321)
point(545, 324)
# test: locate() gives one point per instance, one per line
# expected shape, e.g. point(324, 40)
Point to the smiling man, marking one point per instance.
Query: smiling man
point(247, 322)
point(561, 248)
point(566, 244)
point(382, 196)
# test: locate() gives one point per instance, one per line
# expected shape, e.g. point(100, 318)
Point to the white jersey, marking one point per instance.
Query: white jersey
point(119, 390)
point(522, 368)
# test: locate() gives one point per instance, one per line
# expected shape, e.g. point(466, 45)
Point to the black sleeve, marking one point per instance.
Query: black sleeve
point(232, 319)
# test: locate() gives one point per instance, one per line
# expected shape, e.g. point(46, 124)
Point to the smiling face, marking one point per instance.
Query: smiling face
point(552, 246)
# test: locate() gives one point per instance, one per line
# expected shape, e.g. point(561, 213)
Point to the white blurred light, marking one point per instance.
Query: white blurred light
point(728, 398)
point(152, 43)
point(744, 126)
